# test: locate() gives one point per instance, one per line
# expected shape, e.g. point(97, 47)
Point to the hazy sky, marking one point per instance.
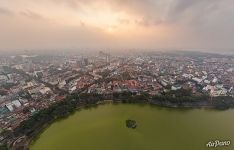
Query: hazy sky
point(117, 24)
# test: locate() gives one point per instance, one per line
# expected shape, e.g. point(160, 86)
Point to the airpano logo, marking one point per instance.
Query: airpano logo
point(218, 143)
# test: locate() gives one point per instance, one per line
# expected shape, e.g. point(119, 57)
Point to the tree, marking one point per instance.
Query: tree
point(3, 147)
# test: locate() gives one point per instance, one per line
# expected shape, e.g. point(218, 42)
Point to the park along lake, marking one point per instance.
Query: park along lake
point(104, 128)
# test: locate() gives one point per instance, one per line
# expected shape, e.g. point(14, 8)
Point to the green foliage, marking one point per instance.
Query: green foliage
point(56, 111)
point(129, 97)
point(131, 123)
point(8, 85)
point(3, 147)
point(179, 97)
point(126, 76)
point(223, 102)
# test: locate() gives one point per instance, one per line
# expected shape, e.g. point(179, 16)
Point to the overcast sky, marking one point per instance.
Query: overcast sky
point(117, 24)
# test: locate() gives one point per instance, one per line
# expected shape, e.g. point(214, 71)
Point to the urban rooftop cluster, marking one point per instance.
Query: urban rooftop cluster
point(29, 83)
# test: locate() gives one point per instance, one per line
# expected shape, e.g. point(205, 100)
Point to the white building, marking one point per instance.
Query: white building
point(16, 103)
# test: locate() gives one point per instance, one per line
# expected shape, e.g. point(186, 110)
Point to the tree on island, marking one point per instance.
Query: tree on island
point(131, 123)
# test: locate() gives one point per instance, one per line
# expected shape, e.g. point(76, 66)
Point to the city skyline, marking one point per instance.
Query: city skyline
point(204, 25)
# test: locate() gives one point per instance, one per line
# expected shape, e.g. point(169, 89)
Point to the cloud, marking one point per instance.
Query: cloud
point(151, 12)
point(32, 15)
point(82, 23)
point(5, 11)
point(123, 21)
point(192, 10)
point(145, 23)
point(182, 5)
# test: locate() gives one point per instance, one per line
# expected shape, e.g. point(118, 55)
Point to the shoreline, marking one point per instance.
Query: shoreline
point(25, 143)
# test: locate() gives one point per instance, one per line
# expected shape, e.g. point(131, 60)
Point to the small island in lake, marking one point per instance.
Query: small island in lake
point(131, 124)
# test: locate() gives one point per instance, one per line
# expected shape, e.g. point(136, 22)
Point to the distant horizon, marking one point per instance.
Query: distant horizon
point(111, 51)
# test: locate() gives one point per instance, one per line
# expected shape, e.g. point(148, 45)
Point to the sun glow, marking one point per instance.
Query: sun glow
point(110, 30)
point(102, 19)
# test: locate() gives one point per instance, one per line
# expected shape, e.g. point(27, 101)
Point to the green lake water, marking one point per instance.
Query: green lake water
point(104, 128)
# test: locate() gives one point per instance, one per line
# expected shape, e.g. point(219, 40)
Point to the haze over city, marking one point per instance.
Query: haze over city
point(204, 25)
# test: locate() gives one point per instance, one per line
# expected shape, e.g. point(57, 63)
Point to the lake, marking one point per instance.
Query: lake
point(103, 128)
